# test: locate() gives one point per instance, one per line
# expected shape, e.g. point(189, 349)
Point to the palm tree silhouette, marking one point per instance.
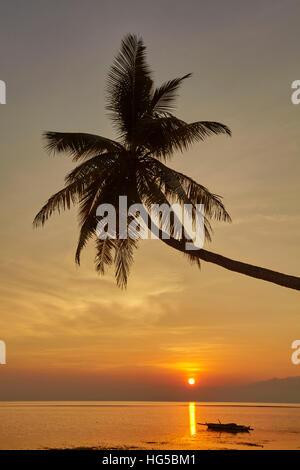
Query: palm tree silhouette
point(149, 134)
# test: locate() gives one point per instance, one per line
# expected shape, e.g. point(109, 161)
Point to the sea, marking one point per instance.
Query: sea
point(146, 425)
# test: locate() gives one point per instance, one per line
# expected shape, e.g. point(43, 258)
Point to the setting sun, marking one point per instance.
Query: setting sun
point(191, 381)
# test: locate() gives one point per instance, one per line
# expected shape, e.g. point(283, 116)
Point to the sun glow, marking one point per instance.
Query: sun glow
point(191, 381)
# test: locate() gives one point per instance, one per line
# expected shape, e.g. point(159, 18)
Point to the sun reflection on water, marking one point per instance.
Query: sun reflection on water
point(192, 415)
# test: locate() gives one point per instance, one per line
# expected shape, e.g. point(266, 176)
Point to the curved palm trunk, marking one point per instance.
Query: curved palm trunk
point(275, 277)
point(285, 280)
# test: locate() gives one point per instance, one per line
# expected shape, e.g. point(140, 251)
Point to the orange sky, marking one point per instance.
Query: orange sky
point(64, 322)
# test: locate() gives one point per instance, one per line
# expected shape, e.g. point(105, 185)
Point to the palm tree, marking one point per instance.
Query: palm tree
point(148, 135)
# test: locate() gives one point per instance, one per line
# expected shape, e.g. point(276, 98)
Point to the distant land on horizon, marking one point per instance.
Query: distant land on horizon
point(286, 390)
point(276, 390)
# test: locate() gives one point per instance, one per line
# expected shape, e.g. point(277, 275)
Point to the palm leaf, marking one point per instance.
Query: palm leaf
point(94, 167)
point(80, 145)
point(184, 189)
point(104, 256)
point(155, 192)
point(60, 201)
point(87, 214)
point(129, 85)
point(123, 260)
point(164, 96)
point(163, 136)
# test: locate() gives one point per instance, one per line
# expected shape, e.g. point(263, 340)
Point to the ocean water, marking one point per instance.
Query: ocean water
point(146, 425)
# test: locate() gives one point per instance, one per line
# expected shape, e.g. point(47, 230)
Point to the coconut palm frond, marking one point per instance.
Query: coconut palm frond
point(198, 131)
point(122, 257)
point(167, 180)
point(123, 260)
point(103, 191)
point(160, 199)
point(76, 183)
point(198, 194)
point(129, 86)
point(185, 190)
point(93, 167)
point(87, 214)
point(154, 193)
point(164, 96)
point(62, 200)
point(80, 145)
point(153, 196)
point(163, 136)
point(104, 256)
point(159, 135)
point(183, 135)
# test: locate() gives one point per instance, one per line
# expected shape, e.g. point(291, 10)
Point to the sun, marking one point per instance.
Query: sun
point(191, 381)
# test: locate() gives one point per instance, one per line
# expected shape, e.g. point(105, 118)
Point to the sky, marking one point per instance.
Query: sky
point(71, 334)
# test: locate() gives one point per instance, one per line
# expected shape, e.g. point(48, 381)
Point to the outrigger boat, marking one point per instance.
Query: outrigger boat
point(227, 427)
